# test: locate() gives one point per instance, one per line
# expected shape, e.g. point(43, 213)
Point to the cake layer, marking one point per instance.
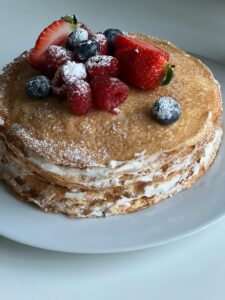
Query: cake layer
point(47, 128)
point(179, 174)
point(103, 164)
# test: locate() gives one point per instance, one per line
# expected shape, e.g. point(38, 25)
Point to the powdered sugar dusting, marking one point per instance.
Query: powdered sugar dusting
point(59, 151)
point(72, 71)
point(80, 35)
point(100, 61)
point(166, 108)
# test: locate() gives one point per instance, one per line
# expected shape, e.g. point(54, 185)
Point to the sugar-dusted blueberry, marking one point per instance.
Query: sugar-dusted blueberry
point(79, 35)
point(111, 34)
point(38, 87)
point(86, 49)
point(166, 110)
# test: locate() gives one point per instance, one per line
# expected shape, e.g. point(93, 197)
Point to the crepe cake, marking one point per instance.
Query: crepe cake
point(101, 164)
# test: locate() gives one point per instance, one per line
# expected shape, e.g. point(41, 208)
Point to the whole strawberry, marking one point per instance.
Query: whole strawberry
point(143, 66)
point(108, 92)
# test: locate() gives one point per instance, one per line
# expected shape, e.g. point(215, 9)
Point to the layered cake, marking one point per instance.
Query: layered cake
point(100, 124)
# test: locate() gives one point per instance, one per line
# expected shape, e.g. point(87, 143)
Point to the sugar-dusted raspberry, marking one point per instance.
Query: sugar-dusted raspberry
point(108, 92)
point(66, 75)
point(79, 98)
point(56, 56)
point(102, 40)
point(102, 65)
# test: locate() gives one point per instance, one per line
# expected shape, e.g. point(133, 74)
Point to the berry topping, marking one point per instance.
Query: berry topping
point(86, 49)
point(108, 92)
point(102, 65)
point(55, 34)
point(84, 26)
point(79, 35)
point(111, 34)
point(144, 68)
point(55, 57)
point(79, 98)
point(125, 42)
point(38, 87)
point(66, 75)
point(102, 40)
point(166, 110)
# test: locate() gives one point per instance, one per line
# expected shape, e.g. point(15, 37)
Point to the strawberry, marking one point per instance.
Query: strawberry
point(55, 34)
point(124, 42)
point(141, 64)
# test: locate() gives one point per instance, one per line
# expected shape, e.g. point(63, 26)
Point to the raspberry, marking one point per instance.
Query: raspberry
point(102, 65)
point(55, 57)
point(79, 98)
point(65, 76)
point(108, 92)
point(102, 40)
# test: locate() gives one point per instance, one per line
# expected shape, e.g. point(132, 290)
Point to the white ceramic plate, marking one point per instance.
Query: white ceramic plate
point(169, 220)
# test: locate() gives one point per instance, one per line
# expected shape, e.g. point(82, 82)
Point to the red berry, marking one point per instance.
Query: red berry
point(79, 98)
point(108, 92)
point(65, 76)
point(144, 68)
point(102, 40)
point(125, 42)
point(55, 57)
point(55, 34)
point(102, 65)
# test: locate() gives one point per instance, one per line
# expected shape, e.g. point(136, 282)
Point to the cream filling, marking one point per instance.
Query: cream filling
point(169, 185)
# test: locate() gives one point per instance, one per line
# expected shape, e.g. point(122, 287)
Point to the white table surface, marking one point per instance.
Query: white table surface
point(193, 268)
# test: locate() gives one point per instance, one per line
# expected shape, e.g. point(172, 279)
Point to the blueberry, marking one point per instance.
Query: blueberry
point(111, 34)
point(166, 110)
point(38, 87)
point(86, 49)
point(79, 35)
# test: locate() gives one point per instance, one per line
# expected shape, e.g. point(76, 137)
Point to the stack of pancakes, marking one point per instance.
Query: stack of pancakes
point(102, 164)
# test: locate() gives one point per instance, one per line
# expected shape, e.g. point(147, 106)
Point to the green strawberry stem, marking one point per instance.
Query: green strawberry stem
point(168, 74)
point(70, 19)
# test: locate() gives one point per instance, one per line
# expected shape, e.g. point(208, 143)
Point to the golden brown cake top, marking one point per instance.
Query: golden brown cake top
point(47, 128)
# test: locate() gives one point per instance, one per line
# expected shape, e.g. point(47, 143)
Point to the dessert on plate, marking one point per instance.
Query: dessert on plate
point(98, 124)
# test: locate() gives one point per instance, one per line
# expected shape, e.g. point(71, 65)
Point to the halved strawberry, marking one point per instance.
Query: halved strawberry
point(144, 68)
point(55, 34)
point(125, 42)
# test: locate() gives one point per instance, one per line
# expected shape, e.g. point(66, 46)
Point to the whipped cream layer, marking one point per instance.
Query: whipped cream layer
point(174, 180)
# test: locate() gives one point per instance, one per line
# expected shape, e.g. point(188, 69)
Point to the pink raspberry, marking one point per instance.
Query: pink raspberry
point(102, 40)
point(102, 65)
point(108, 92)
point(79, 98)
point(65, 76)
point(55, 57)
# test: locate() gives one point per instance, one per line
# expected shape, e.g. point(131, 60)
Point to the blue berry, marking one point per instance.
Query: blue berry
point(79, 35)
point(166, 110)
point(111, 34)
point(86, 49)
point(38, 87)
